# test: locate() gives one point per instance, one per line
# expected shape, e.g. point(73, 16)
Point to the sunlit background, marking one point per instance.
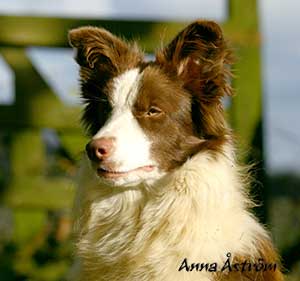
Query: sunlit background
point(48, 256)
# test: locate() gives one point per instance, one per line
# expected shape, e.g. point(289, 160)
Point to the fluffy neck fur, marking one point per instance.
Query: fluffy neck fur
point(198, 212)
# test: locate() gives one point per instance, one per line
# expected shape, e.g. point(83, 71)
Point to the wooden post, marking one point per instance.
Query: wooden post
point(246, 114)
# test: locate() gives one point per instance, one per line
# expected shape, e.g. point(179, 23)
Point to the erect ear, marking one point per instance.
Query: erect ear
point(98, 47)
point(199, 56)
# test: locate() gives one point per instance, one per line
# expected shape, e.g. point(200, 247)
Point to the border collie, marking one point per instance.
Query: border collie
point(161, 196)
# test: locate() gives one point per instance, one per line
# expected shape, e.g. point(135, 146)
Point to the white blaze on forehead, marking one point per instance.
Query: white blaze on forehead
point(126, 88)
point(132, 147)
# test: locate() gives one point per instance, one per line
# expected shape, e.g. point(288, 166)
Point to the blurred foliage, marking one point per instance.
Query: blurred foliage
point(36, 195)
point(284, 218)
point(40, 248)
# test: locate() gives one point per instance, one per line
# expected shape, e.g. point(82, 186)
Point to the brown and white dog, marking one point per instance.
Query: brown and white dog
point(161, 196)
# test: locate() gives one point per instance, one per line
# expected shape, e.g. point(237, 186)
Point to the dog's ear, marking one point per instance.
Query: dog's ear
point(97, 47)
point(199, 57)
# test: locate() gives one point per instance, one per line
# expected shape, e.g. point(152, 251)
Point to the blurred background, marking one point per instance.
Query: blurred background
point(41, 139)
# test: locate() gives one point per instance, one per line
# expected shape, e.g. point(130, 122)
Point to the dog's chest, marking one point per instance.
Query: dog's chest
point(136, 242)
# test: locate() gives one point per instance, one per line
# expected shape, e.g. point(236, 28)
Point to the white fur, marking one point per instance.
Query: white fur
point(132, 147)
point(198, 212)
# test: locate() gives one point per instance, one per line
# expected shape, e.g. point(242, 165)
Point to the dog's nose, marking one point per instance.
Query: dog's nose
point(100, 149)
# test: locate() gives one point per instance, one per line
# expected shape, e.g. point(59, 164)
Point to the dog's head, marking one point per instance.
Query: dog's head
point(147, 118)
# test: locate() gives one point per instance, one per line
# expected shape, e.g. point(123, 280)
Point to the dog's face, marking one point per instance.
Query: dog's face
point(148, 118)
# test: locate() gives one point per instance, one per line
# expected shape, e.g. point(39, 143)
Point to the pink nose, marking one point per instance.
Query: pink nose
point(100, 149)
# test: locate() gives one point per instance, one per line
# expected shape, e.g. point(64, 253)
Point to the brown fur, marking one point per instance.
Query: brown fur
point(172, 129)
point(101, 57)
point(202, 60)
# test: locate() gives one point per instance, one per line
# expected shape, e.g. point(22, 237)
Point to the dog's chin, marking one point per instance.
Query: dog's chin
point(147, 175)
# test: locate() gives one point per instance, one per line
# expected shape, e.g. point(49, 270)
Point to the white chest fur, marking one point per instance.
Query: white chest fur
point(199, 213)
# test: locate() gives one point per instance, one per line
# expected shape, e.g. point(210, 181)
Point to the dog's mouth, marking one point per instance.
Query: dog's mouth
point(106, 173)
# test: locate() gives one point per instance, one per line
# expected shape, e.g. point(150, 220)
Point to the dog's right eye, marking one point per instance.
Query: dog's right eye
point(153, 111)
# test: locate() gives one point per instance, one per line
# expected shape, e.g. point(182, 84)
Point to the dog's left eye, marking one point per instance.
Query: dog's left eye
point(153, 111)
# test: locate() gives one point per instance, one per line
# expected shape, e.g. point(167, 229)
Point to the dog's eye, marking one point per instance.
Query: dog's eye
point(154, 111)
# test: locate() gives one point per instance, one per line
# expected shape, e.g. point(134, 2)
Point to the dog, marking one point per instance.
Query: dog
point(161, 195)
